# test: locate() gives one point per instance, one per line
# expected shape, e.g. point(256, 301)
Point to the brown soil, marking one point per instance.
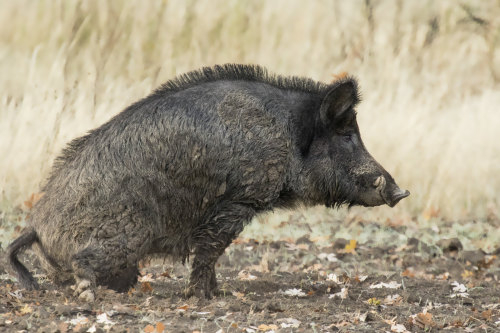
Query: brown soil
point(282, 286)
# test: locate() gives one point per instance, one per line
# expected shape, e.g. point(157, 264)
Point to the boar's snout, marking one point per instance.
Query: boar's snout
point(391, 193)
point(396, 196)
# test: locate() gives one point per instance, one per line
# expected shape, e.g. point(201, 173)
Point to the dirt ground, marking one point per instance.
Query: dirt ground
point(283, 286)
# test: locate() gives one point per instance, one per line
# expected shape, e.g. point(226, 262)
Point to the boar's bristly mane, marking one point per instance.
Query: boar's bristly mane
point(241, 72)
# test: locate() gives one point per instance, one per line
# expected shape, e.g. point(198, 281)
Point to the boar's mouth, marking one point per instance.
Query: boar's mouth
point(381, 193)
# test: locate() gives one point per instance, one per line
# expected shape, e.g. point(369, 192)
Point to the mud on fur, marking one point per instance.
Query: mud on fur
point(182, 171)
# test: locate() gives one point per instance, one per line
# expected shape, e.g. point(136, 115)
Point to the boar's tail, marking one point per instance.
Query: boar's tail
point(24, 241)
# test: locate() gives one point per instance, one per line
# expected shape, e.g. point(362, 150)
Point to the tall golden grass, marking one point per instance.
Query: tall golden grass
point(429, 73)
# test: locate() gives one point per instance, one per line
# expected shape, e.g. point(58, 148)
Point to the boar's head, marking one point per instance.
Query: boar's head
point(339, 168)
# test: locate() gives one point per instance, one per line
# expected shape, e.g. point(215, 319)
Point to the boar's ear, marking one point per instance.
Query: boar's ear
point(341, 98)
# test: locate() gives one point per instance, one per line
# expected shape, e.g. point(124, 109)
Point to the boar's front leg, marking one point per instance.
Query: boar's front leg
point(211, 239)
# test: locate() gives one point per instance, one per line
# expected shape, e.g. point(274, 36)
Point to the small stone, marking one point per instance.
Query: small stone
point(340, 243)
point(87, 296)
point(61, 309)
point(418, 246)
point(273, 306)
point(304, 240)
point(450, 245)
point(474, 257)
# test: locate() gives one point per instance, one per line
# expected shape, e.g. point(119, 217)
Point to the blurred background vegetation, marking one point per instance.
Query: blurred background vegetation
point(429, 73)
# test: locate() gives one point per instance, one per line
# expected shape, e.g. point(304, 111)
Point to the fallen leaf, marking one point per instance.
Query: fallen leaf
point(239, 295)
point(264, 327)
point(146, 287)
point(424, 320)
point(202, 313)
point(313, 268)
point(103, 319)
point(246, 276)
point(79, 320)
point(263, 266)
point(319, 239)
point(444, 276)
point(333, 277)
point(459, 287)
point(340, 324)
point(165, 274)
point(289, 323)
point(457, 323)
point(408, 273)
point(487, 315)
point(360, 278)
point(351, 247)
point(160, 327)
point(149, 329)
point(399, 328)
point(294, 292)
point(183, 307)
point(392, 299)
point(239, 241)
point(33, 199)
point(492, 306)
point(467, 274)
point(331, 257)
point(25, 310)
point(62, 327)
point(430, 213)
point(403, 247)
point(390, 285)
point(374, 301)
point(146, 278)
point(344, 279)
point(342, 294)
point(362, 317)
point(486, 262)
point(339, 76)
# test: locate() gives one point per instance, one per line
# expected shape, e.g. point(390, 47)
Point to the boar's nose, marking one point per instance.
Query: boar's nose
point(396, 195)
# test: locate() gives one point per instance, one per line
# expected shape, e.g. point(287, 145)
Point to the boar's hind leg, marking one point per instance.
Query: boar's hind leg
point(104, 265)
point(111, 259)
point(211, 239)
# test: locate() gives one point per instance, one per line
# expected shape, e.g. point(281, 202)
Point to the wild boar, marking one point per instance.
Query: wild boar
point(182, 171)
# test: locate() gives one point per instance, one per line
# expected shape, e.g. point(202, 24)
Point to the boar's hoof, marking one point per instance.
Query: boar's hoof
point(203, 283)
point(81, 286)
point(87, 296)
point(202, 293)
point(83, 291)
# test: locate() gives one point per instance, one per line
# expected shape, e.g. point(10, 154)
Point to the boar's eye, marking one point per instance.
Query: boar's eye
point(347, 137)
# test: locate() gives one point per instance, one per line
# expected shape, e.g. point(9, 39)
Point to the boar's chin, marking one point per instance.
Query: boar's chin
point(365, 204)
point(368, 199)
point(378, 198)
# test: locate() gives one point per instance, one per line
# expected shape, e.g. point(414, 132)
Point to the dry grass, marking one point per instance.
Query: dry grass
point(429, 71)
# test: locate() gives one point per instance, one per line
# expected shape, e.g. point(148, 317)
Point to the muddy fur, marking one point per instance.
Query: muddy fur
point(182, 171)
